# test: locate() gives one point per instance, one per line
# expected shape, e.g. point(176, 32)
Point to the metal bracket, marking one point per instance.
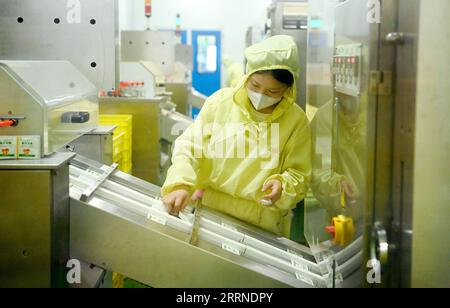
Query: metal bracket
point(196, 225)
point(374, 81)
point(380, 83)
point(12, 118)
point(385, 87)
point(91, 189)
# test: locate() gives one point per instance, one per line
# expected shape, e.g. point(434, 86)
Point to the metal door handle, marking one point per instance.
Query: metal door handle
point(397, 38)
point(379, 246)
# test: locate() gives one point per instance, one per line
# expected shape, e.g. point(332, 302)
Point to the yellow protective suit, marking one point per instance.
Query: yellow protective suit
point(233, 183)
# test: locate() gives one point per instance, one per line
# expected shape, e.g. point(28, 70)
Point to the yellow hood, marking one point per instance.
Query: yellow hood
point(276, 52)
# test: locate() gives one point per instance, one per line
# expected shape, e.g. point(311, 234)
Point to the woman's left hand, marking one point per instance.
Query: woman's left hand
point(275, 189)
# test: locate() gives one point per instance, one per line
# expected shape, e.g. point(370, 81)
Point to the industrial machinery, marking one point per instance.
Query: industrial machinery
point(154, 118)
point(83, 32)
point(34, 222)
point(166, 73)
point(173, 124)
point(50, 99)
point(65, 208)
point(119, 223)
point(96, 144)
point(55, 30)
point(168, 61)
point(53, 101)
point(146, 150)
point(157, 48)
point(363, 130)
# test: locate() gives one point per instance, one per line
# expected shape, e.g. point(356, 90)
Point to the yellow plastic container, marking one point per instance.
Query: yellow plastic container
point(118, 147)
point(127, 168)
point(122, 140)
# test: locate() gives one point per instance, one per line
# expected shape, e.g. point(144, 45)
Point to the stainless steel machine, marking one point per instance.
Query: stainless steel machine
point(368, 54)
point(146, 151)
point(83, 32)
point(173, 124)
point(96, 144)
point(364, 133)
point(51, 99)
point(155, 47)
point(165, 66)
point(34, 222)
point(168, 61)
point(119, 223)
point(66, 206)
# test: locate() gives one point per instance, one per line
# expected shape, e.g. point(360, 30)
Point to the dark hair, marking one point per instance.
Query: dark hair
point(283, 76)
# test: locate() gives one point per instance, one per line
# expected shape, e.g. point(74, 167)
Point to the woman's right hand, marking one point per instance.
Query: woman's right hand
point(177, 200)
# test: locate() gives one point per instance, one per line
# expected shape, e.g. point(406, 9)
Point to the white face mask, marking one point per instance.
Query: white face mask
point(261, 101)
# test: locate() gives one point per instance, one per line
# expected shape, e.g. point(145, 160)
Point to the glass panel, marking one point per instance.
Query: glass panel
point(206, 54)
point(320, 112)
point(338, 195)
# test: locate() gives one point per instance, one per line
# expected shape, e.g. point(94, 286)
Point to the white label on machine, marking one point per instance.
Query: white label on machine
point(8, 147)
point(304, 279)
point(92, 172)
point(29, 147)
point(294, 253)
point(231, 249)
point(156, 219)
point(186, 217)
point(300, 266)
point(294, 256)
point(104, 168)
point(228, 227)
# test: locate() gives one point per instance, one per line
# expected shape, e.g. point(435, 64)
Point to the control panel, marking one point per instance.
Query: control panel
point(347, 66)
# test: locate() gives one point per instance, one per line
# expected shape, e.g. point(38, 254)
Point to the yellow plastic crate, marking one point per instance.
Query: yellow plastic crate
point(122, 140)
point(118, 148)
point(127, 169)
point(124, 123)
point(127, 164)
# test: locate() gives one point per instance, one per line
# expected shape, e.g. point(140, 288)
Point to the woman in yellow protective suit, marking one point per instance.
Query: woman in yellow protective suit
point(250, 147)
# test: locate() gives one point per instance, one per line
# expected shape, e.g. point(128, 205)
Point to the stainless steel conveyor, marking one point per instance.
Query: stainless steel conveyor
point(123, 226)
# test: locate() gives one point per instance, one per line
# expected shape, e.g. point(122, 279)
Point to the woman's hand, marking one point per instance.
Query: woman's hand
point(177, 200)
point(275, 189)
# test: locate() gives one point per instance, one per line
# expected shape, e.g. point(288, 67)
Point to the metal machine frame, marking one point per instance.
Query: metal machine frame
point(388, 76)
point(146, 150)
point(34, 222)
point(53, 99)
point(96, 145)
point(155, 47)
point(59, 30)
point(123, 226)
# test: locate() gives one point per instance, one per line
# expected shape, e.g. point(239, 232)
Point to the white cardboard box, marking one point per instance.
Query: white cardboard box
point(29, 147)
point(8, 147)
